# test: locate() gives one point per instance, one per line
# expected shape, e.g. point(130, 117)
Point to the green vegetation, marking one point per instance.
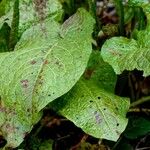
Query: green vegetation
point(60, 56)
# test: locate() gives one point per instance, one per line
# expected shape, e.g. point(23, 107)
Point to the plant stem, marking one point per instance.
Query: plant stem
point(92, 10)
point(120, 10)
point(140, 101)
point(138, 110)
point(13, 39)
point(141, 19)
point(92, 7)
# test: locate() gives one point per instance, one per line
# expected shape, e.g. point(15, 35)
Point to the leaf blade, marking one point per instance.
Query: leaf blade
point(91, 107)
point(36, 73)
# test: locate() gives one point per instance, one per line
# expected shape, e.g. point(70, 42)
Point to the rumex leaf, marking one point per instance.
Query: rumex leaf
point(43, 66)
point(92, 107)
point(129, 54)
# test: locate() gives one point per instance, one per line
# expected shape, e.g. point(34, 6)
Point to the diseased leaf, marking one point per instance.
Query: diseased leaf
point(43, 67)
point(97, 111)
point(129, 54)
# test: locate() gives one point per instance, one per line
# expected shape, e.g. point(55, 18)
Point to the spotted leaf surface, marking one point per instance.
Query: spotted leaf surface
point(93, 108)
point(129, 54)
point(44, 66)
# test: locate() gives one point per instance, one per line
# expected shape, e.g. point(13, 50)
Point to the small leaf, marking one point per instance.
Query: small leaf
point(4, 37)
point(98, 112)
point(42, 68)
point(125, 54)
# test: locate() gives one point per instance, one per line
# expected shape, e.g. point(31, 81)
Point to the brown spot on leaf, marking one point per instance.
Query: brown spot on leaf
point(57, 62)
point(2, 109)
point(118, 133)
point(97, 117)
point(88, 73)
point(9, 128)
point(24, 83)
point(33, 62)
point(115, 53)
point(40, 81)
point(46, 62)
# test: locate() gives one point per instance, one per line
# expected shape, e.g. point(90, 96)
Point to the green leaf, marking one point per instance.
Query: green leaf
point(137, 127)
point(128, 54)
point(43, 67)
point(97, 111)
point(4, 37)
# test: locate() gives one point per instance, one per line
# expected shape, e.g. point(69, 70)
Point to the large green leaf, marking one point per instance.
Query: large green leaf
point(43, 67)
point(129, 54)
point(91, 107)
